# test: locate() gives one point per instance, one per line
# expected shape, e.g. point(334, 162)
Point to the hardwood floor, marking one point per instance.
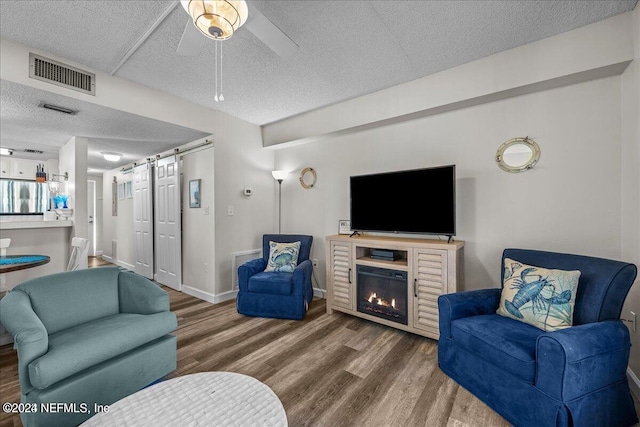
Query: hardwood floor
point(328, 370)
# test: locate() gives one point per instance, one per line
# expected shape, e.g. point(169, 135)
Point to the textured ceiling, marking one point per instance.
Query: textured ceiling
point(27, 126)
point(346, 48)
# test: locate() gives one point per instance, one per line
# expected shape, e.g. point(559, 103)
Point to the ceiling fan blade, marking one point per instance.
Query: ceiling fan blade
point(192, 41)
point(269, 34)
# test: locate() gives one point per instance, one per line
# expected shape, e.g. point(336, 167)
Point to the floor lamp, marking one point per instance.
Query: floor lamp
point(279, 176)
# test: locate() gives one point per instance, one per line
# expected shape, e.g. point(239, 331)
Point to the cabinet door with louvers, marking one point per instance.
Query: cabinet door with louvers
point(341, 275)
point(430, 281)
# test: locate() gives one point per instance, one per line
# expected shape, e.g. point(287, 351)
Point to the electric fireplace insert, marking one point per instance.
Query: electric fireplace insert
point(382, 292)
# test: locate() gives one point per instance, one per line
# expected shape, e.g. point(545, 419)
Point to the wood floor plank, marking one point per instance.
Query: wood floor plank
point(468, 411)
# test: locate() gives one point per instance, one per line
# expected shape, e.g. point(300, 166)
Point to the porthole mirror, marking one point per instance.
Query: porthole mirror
point(518, 155)
point(308, 178)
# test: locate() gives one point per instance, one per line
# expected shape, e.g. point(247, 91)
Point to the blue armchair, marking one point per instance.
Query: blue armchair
point(569, 377)
point(276, 294)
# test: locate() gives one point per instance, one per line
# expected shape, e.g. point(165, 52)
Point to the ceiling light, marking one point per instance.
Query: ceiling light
point(5, 151)
point(111, 157)
point(217, 19)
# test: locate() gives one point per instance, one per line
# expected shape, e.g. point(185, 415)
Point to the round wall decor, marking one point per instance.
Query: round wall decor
point(308, 178)
point(518, 154)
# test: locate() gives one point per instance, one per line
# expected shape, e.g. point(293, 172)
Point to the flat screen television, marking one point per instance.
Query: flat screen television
point(412, 201)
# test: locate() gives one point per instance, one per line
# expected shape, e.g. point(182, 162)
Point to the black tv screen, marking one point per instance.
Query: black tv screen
point(413, 201)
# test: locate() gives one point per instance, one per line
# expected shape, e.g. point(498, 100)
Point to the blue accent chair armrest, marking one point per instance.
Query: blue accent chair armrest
point(464, 304)
point(583, 359)
point(248, 269)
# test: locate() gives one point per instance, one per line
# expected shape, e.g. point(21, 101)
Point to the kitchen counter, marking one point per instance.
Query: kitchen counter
point(17, 225)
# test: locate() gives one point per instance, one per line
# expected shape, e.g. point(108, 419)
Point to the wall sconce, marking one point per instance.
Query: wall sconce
point(54, 186)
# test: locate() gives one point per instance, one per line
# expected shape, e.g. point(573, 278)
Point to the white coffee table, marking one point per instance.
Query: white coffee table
point(203, 399)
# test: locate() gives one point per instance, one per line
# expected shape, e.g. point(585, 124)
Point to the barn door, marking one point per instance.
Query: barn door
point(143, 219)
point(168, 223)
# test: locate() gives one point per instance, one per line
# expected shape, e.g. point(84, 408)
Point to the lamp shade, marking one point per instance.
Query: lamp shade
point(217, 19)
point(54, 186)
point(279, 175)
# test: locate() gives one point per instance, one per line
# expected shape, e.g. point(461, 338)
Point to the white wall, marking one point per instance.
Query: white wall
point(117, 228)
point(73, 160)
point(630, 155)
point(239, 160)
point(569, 202)
point(198, 231)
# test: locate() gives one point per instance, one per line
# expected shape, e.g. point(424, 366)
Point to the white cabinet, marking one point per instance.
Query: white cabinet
point(23, 169)
point(5, 166)
point(14, 168)
point(431, 268)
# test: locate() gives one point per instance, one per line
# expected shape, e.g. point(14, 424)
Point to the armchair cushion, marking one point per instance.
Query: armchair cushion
point(504, 342)
point(541, 297)
point(97, 341)
point(271, 283)
point(283, 257)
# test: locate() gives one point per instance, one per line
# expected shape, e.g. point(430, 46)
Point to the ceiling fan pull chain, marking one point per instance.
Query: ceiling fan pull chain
point(221, 95)
point(215, 98)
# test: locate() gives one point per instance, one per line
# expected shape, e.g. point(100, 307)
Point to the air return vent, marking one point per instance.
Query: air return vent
point(57, 73)
point(32, 151)
point(57, 108)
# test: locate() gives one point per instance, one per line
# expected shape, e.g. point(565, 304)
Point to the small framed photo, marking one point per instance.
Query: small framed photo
point(121, 191)
point(128, 193)
point(344, 226)
point(194, 193)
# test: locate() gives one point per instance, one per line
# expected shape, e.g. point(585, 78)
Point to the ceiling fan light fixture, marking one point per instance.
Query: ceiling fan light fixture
point(217, 19)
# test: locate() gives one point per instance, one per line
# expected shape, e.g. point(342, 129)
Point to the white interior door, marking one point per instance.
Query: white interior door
point(168, 223)
point(91, 214)
point(143, 219)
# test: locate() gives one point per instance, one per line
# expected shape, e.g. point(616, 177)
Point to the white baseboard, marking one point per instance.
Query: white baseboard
point(634, 383)
point(208, 296)
point(99, 253)
point(317, 292)
point(118, 262)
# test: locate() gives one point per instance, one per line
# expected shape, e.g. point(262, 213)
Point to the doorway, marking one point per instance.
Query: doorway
point(91, 214)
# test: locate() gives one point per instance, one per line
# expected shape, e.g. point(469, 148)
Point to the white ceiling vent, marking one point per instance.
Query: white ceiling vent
point(57, 73)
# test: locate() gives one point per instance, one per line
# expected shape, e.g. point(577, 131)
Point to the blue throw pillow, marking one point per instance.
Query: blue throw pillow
point(283, 257)
point(538, 296)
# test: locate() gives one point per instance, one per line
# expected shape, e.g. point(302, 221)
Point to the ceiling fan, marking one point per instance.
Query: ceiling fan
point(194, 37)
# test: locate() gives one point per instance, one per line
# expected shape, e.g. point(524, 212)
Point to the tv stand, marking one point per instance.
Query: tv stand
point(431, 267)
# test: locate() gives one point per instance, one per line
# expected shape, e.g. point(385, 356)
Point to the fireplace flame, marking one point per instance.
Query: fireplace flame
point(374, 299)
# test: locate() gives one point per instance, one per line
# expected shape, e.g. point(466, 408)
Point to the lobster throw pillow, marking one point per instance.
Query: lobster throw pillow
point(538, 296)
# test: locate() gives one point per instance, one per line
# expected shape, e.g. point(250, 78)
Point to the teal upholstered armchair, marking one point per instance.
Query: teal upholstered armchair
point(87, 337)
